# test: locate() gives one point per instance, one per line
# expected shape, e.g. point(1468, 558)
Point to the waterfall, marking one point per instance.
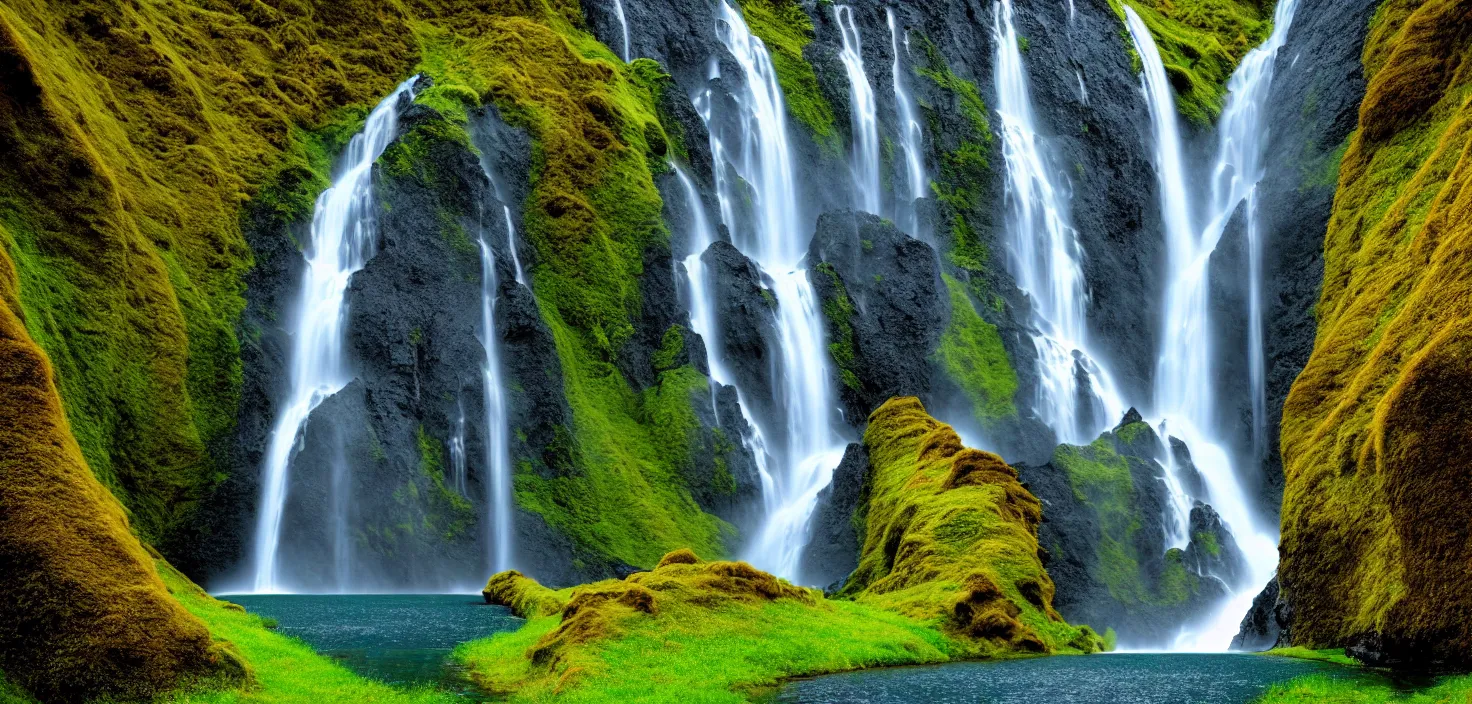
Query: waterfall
point(459, 463)
point(1184, 392)
point(623, 23)
point(342, 241)
point(863, 114)
point(1076, 395)
point(498, 452)
point(911, 136)
point(812, 446)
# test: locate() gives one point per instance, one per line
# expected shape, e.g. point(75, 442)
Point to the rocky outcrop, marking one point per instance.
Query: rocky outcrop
point(832, 551)
point(881, 295)
point(1104, 512)
point(1268, 624)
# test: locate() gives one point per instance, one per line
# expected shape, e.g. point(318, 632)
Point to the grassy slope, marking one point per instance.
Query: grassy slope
point(691, 632)
point(1322, 689)
point(287, 670)
point(951, 539)
point(1200, 43)
point(1376, 501)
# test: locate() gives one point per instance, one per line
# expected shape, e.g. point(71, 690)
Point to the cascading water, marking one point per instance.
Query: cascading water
point(1044, 257)
point(498, 452)
point(1184, 395)
point(623, 23)
point(459, 463)
point(813, 445)
point(343, 238)
point(911, 137)
point(863, 115)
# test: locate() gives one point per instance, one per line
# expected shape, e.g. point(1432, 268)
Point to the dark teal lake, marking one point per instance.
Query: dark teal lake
point(1127, 678)
point(402, 639)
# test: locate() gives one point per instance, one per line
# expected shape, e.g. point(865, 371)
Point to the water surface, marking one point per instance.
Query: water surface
point(1135, 678)
point(402, 639)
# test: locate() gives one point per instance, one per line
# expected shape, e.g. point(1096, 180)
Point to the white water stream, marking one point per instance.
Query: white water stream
point(777, 241)
point(1184, 393)
point(623, 23)
point(1077, 397)
point(343, 239)
point(911, 138)
point(864, 117)
point(498, 452)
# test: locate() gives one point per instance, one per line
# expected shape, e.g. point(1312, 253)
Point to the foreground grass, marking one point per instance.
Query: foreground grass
point(1322, 688)
point(700, 639)
point(287, 670)
point(1332, 655)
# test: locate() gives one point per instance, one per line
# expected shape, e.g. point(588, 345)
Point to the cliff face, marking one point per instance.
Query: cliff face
point(1374, 508)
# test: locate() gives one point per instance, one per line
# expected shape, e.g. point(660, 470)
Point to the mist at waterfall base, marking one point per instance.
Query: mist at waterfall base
point(1185, 400)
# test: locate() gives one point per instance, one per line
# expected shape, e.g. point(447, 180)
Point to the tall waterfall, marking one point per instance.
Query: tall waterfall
point(776, 241)
point(863, 115)
point(623, 23)
point(1184, 393)
point(498, 452)
point(1076, 395)
point(911, 137)
point(343, 238)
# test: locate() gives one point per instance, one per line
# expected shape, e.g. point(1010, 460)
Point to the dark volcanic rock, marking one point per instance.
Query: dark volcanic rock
point(885, 288)
point(1213, 550)
point(833, 545)
point(1267, 623)
point(747, 339)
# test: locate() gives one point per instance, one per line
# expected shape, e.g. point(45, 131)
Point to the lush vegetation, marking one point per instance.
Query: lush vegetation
point(1201, 43)
point(1316, 689)
point(785, 28)
point(689, 630)
point(972, 354)
point(1370, 422)
point(951, 539)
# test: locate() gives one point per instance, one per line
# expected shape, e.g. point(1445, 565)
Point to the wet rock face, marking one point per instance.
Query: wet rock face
point(1091, 524)
point(1267, 623)
point(747, 339)
point(832, 551)
point(880, 290)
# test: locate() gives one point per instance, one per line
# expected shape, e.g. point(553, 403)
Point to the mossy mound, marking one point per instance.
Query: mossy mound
point(525, 596)
point(951, 538)
point(1201, 42)
point(689, 630)
point(83, 615)
point(1376, 428)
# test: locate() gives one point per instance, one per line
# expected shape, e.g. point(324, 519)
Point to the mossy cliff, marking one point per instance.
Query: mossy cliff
point(950, 538)
point(1375, 506)
point(82, 612)
point(1200, 43)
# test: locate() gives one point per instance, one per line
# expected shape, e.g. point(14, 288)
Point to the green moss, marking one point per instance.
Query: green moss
point(670, 348)
point(1367, 503)
point(785, 28)
point(839, 311)
point(692, 631)
point(1208, 542)
point(1101, 480)
point(1333, 655)
point(1201, 43)
point(951, 539)
point(964, 166)
point(446, 513)
point(972, 354)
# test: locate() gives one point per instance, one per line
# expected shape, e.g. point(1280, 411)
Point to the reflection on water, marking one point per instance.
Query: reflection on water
point(1164, 678)
point(402, 639)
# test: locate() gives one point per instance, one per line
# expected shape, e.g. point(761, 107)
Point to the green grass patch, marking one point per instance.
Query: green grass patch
point(287, 670)
point(1334, 655)
point(1319, 689)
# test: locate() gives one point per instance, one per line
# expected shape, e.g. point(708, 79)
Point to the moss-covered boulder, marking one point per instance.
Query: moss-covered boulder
point(951, 537)
point(1377, 497)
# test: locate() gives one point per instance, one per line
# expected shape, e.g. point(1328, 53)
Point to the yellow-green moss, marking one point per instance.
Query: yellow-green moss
point(973, 356)
point(1376, 499)
point(839, 311)
point(82, 612)
point(691, 631)
point(523, 595)
point(951, 539)
point(1201, 42)
point(963, 165)
point(785, 28)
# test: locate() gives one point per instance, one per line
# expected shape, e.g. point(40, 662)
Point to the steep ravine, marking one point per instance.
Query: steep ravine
point(163, 166)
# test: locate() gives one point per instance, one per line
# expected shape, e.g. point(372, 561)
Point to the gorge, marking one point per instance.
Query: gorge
point(734, 341)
